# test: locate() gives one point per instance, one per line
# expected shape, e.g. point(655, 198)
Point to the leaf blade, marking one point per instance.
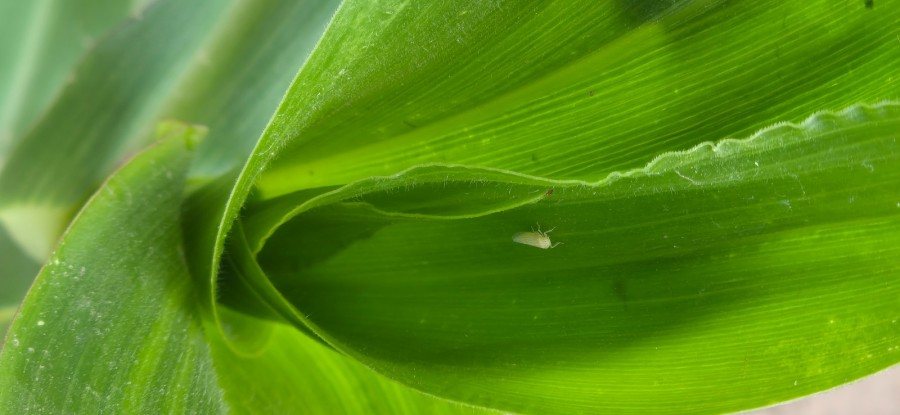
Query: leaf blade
point(133, 329)
point(785, 238)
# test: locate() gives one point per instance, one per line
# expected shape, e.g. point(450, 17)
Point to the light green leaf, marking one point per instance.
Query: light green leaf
point(243, 72)
point(762, 264)
point(112, 324)
point(365, 252)
point(565, 90)
point(293, 374)
point(40, 42)
point(134, 339)
point(17, 271)
point(188, 61)
point(196, 61)
point(679, 286)
point(105, 113)
point(125, 77)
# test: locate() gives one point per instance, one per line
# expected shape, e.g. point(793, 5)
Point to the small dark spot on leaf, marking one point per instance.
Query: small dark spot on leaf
point(312, 173)
point(534, 157)
point(870, 4)
point(619, 289)
point(549, 192)
point(591, 93)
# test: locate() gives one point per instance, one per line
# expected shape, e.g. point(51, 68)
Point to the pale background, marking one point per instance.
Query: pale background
point(874, 395)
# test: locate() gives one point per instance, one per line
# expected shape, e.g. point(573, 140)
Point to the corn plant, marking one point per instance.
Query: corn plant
point(389, 207)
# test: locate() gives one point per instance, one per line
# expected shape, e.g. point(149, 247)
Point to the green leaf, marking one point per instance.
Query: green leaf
point(105, 113)
point(371, 227)
point(17, 271)
point(294, 374)
point(569, 91)
point(187, 61)
point(192, 62)
point(762, 264)
point(245, 68)
point(111, 323)
point(134, 339)
point(131, 73)
point(40, 43)
point(745, 265)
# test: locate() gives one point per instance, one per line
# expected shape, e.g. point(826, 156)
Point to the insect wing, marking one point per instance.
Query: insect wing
point(534, 239)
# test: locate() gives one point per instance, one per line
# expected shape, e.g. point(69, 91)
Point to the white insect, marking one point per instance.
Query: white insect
point(536, 239)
